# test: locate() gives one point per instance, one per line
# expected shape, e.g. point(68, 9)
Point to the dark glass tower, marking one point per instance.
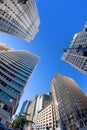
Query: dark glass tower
point(23, 106)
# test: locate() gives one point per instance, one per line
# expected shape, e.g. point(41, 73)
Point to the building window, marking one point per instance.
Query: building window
point(12, 90)
point(6, 96)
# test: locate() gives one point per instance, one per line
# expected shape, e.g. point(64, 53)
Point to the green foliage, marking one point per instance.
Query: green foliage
point(16, 123)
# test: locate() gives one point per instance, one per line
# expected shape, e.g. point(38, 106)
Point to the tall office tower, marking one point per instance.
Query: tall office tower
point(43, 100)
point(4, 47)
point(24, 105)
point(31, 110)
point(77, 55)
point(16, 68)
point(70, 102)
point(19, 18)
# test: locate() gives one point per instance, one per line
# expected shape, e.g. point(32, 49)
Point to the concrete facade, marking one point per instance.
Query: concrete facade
point(45, 118)
point(42, 101)
point(70, 103)
point(31, 110)
point(76, 57)
point(4, 47)
point(19, 19)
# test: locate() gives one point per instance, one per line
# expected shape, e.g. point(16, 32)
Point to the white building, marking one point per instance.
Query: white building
point(42, 101)
point(76, 57)
point(19, 18)
point(45, 118)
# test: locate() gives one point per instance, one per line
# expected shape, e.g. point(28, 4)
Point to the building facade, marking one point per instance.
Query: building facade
point(75, 56)
point(16, 68)
point(42, 101)
point(45, 118)
point(46, 98)
point(31, 111)
point(19, 18)
point(24, 106)
point(4, 47)
point(70, 102)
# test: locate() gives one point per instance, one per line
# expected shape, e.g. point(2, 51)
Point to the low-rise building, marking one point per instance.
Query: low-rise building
point(45, 118)
point(42, 101)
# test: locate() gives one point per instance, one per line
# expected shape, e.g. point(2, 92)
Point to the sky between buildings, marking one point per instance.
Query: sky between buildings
point(60, 20)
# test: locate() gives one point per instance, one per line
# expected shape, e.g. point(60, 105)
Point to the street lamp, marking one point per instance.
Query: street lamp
point(79, 48)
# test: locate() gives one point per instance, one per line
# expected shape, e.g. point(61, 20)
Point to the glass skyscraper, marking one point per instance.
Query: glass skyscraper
point(19, 18)
point(23, 106)
point(16, 68)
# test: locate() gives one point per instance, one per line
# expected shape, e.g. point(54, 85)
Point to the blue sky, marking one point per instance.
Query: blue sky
point(60, 20)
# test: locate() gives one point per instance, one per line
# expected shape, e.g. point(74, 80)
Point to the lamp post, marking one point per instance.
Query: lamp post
point(79, 48)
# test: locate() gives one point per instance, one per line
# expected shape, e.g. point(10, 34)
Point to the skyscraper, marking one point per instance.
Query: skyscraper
point(24, 105)
point(77, 54)
point(16, 68)
point(31, 110)
point(71, 103)
point(19, 18)
point(4, 47)
point(43, 100)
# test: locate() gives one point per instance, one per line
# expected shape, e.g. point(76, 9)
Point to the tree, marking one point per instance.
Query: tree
point(21, 121)
point(16, 123)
